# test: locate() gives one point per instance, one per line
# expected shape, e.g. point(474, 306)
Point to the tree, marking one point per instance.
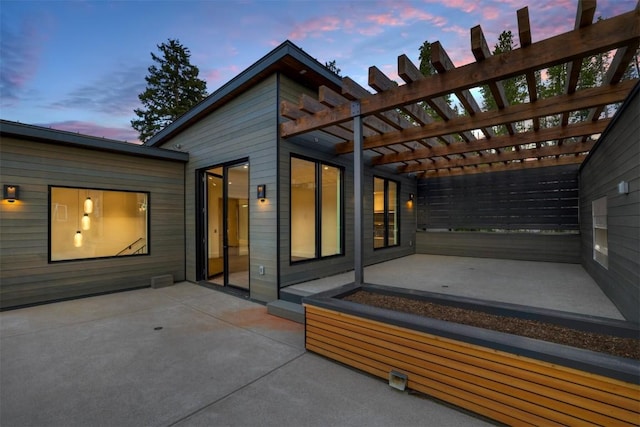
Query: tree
point(515, 88)
point(173, 88)
point(427, 69)
point(331, 66)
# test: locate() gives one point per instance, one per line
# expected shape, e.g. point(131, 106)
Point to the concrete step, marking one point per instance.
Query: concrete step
point(293, 295)
point(287, 310)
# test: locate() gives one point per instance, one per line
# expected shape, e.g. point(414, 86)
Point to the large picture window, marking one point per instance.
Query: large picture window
point(90, 223)
point(316, 210)
point(600, 238)
point(385, 213)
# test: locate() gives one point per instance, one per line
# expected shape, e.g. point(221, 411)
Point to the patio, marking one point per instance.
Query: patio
point(556, 286)
point(180, 356)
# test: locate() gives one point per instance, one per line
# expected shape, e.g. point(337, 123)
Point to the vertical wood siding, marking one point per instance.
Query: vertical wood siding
point(616, 158)
point(305, 146)
point(26, 276)
point(244, 127)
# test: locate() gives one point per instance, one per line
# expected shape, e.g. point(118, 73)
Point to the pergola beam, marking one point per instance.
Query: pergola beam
point(580, 100)
point(524, 32)
point(543, 135)
point(501, 167)
point(505, 156)
point(600, 37)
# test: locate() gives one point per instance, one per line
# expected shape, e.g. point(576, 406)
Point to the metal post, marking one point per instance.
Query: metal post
point(357, 192)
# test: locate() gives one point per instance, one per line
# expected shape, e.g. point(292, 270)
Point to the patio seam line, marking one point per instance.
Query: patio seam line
point(66, 325)
point(231, 393)
point(242, 327)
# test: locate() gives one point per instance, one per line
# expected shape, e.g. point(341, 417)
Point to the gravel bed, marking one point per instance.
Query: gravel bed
point(617, 346)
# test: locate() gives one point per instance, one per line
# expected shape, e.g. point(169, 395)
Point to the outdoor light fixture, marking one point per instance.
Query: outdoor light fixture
point(88, 205)
point(411, 197)
point(398, 380)
point(623, 187)
point(11, 193)
point(262, 192)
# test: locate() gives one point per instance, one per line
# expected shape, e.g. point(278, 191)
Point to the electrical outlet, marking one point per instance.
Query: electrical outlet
point(261, 270)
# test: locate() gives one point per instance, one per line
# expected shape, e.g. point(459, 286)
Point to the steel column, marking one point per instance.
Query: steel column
point(357, 193)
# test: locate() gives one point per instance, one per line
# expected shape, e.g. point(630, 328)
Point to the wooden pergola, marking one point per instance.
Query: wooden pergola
point(398, 131)
point(394, 129)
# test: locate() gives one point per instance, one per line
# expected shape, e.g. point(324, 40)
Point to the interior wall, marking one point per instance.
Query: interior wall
point(615, 160)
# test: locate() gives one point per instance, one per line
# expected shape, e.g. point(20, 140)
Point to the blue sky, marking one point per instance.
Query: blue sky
point(80, 65)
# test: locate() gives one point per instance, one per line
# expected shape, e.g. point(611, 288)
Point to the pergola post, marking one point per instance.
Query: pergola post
point(357, 193)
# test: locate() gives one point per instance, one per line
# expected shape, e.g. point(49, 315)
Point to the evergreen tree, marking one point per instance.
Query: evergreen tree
point(515, 88)
point(331, 66)
point(427, 69)
point(173, 88)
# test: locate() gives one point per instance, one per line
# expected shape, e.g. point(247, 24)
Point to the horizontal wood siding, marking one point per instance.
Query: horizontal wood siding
point(518, 246)
point(26, 276)
point(244, 127)
point(306, 146)
point(508, 388)
point(616, 158)
point(531, 199)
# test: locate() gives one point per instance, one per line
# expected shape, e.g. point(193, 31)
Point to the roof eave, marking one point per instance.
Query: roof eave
point(59, 137)
point(245, 80)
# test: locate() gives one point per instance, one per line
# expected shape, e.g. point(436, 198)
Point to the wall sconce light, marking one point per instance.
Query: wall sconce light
point(11, 193)
point(623, 187)
point(262, 192)
point(411, 197)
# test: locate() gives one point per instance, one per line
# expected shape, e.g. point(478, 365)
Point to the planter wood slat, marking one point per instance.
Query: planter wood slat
point(450, 370)
point(474, 360)
point(506, 387)
point(456, 399)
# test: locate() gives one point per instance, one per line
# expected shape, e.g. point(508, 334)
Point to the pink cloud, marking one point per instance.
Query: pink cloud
point(490, 13)
point(466, 6)
point(314, 27)
point(88, 128)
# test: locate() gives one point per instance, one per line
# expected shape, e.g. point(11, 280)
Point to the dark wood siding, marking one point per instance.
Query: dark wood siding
point(322, 150)
point(616, 159)
point(556, 247)
point(244, 127)
point(26, 275)
point(532, 199)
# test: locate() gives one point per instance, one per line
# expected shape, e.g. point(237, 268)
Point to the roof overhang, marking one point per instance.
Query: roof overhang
point(58, 137)
point(287, 59)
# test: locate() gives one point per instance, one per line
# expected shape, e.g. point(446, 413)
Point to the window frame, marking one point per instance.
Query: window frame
point(386, 214)
point(68, 187)
point(318, 164)
point(599, 217)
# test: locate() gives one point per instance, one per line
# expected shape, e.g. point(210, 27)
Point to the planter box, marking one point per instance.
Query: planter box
point(509, 378)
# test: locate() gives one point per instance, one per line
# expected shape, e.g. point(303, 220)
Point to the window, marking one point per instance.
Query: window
point(316, 210)
point(385, 213)
point(90, 223)
point(600, 239)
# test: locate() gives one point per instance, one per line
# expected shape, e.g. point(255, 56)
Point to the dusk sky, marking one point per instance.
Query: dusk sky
point(80, 65)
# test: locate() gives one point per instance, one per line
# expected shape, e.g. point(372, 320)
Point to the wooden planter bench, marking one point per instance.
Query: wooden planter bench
point(508, 378)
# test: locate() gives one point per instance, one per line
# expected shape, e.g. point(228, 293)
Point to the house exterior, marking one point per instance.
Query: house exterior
point(221, 198)
point(610, 209)
point(55, 172)
point(201, 176)
point(293, 236)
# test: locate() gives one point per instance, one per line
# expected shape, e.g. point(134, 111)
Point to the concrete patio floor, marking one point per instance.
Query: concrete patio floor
point(185, 355)
point(556, 286)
